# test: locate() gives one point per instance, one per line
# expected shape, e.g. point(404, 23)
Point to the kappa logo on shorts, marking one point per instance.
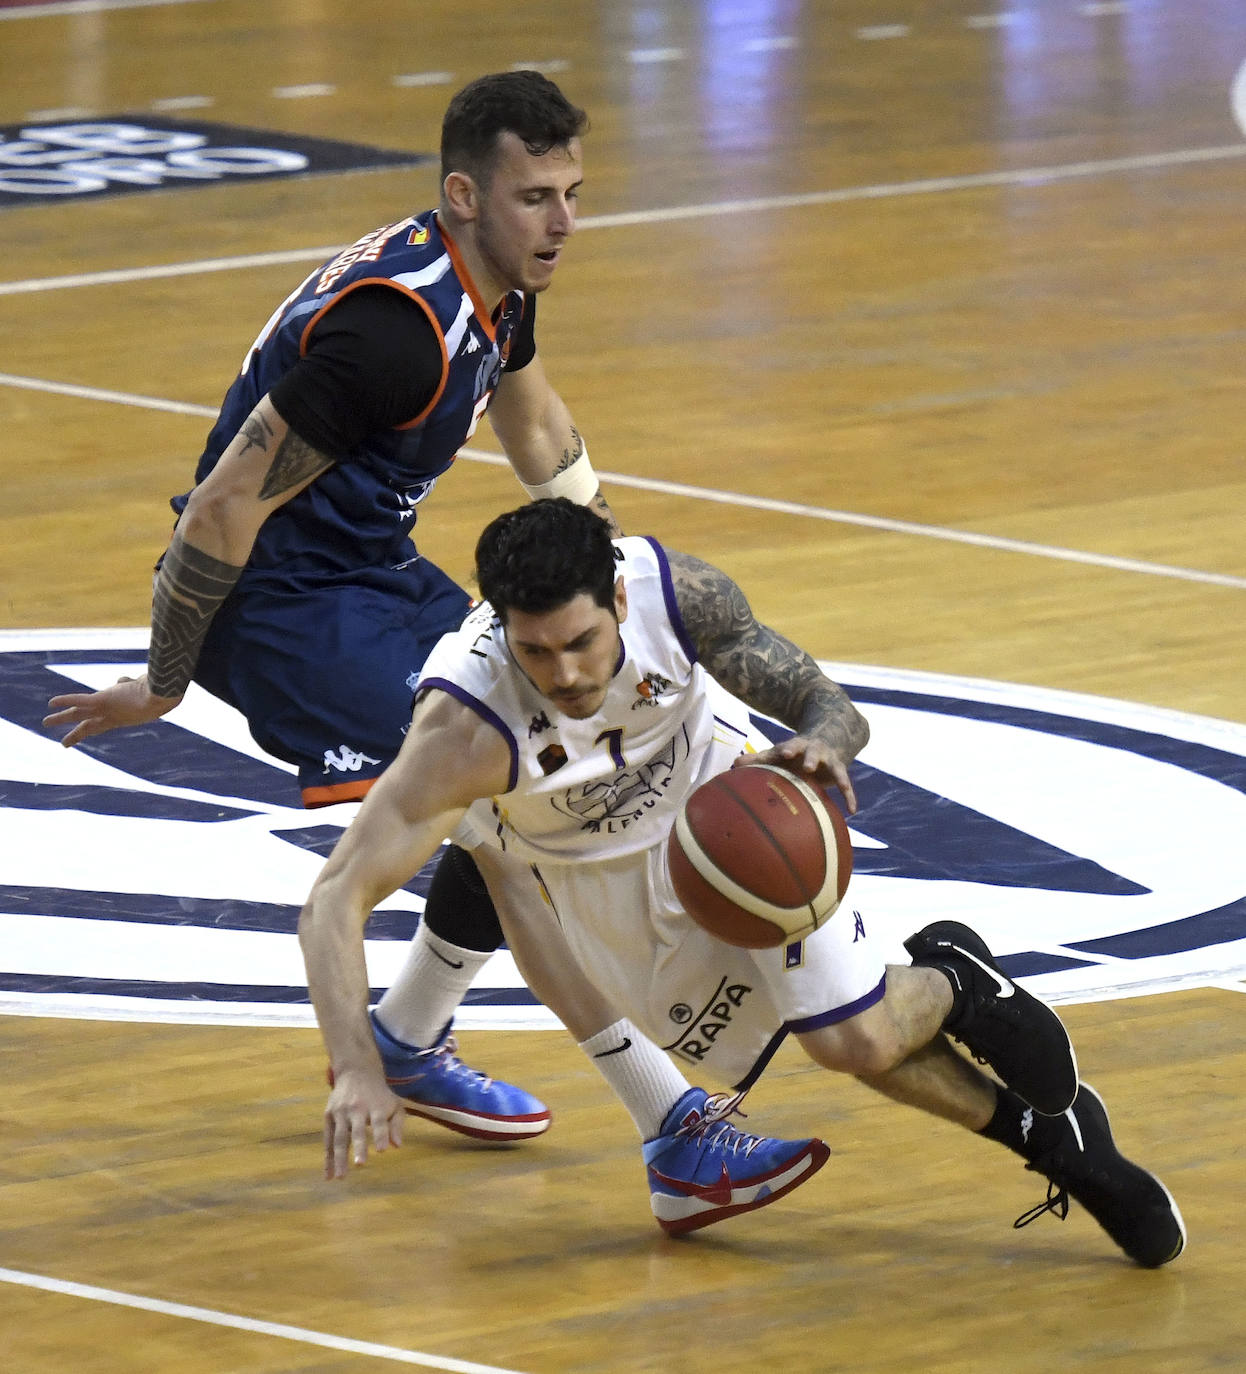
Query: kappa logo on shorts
point(714, 1018)
point(159, 872)
point(347, 760)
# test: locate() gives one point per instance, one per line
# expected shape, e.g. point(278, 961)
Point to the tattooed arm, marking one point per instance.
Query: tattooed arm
point(535, 429)
point(771, 674)
point(265, 465)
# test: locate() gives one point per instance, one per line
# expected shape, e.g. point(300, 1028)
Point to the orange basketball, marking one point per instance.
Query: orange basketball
point(759, 857)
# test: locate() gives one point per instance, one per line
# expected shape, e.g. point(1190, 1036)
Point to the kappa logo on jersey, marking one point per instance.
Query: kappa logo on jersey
point(159, 872)
point(539, 723)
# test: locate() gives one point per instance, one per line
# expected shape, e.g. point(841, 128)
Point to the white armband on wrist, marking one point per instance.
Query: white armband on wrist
point(577, 483)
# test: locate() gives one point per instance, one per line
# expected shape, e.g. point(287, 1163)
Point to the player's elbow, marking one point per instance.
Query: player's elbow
point(222, 522)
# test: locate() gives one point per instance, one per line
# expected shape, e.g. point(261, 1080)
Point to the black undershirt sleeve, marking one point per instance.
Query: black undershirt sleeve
point(523, 340)
point(373, 362)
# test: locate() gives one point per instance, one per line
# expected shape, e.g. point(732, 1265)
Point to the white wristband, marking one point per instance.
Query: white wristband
point(577, 483)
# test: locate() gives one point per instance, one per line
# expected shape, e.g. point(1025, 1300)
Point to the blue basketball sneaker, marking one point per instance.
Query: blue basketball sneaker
point(439, 1086)
point(702, 1169)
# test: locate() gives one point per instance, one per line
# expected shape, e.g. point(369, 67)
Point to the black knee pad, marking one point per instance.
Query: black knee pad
point(459, 908)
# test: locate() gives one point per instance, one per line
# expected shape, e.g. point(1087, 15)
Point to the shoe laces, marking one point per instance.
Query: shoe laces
point(451, 1065)
point(713, 1128)
point(1056, 1201)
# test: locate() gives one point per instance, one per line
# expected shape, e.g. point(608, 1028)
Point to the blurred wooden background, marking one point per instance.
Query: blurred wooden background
point(953, 270)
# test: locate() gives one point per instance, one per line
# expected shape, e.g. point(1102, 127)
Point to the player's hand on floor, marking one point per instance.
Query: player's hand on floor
point(811, 758)
point(127, 702)
point(359, 1104)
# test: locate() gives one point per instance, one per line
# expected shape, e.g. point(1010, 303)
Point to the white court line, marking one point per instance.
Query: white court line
point(94, 393)
point(725, 498)
point(86, 7)
point(1025, 176)
point(214, 1318)
point(118, 276)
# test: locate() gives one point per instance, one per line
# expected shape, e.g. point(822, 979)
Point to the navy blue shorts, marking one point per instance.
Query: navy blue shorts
point(324, 669)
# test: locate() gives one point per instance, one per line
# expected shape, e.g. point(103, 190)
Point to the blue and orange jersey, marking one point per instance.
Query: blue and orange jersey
point(360, 512)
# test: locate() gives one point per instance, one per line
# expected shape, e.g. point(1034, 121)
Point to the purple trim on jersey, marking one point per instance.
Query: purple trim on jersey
point(727, 725)
point(838, 1014)
point(461, 695)
point(672, 606)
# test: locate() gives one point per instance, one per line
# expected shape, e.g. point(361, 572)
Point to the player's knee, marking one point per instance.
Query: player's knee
point(864, 1046)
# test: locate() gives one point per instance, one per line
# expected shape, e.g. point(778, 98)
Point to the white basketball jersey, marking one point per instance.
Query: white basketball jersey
point(609, 785)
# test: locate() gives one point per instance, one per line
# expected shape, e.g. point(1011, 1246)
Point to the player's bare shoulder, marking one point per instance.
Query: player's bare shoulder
point(453, 752)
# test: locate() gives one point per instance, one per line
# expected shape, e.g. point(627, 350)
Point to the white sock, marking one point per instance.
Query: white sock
point(429, 987)
point(641, 1075)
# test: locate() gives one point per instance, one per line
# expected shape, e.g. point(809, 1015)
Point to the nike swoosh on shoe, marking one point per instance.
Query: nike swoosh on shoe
point(718, 1192)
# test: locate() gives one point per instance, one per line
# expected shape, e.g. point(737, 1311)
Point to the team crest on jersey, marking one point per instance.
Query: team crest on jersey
point(158, 873)
point(649, 689)
point(551, 758)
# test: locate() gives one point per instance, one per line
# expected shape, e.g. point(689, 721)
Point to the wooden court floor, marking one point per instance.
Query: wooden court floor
point(925, 323)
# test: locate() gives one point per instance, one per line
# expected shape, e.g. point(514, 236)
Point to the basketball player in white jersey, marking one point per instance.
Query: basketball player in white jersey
point(557, 734)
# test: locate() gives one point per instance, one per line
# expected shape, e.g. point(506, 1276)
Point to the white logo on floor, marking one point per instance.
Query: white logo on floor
point(157, 873)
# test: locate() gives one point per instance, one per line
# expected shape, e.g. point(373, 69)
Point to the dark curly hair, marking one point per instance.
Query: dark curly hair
point(524, 103)
point(539, 557)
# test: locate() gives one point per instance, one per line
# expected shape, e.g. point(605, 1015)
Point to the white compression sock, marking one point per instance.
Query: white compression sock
point(429, 987)
point(641, 1075)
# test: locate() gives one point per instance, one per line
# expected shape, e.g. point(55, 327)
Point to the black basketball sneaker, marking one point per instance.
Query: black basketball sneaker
point(997, 1021)
point(1131, 1205)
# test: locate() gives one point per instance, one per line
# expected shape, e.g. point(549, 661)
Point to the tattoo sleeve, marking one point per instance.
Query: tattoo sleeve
point(192, 584)
point(571, 454)
point(189, 588)
point(294, 463)
point(758, 664)
point(602, 507)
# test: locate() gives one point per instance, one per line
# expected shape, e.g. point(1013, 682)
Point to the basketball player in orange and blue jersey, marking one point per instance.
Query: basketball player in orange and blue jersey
point(292, 589)
point(535, 736)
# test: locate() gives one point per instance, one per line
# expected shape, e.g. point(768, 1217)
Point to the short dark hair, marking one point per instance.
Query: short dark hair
point(539, 557)
point(524, 103)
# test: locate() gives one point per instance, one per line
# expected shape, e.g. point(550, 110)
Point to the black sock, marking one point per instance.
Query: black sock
point(459, 908)
point(1018, 1126)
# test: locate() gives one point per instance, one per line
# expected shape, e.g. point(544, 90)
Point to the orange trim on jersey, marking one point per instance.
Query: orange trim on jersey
point(483, 317)
point(424, 306)
point(336, 792)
